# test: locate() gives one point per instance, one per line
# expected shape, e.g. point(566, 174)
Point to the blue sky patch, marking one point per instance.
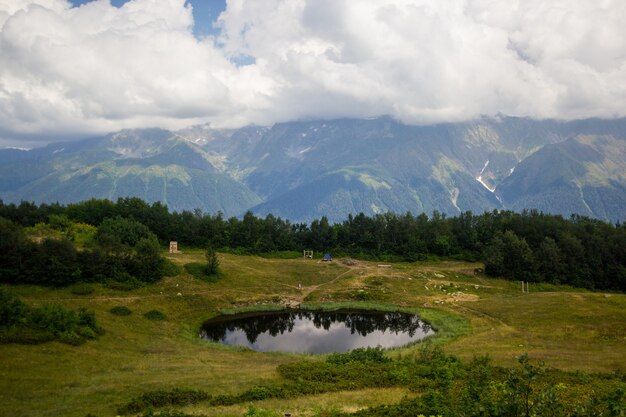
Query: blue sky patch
point(205, 13)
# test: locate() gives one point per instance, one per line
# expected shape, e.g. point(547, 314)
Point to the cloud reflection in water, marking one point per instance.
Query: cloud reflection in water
point(316, 332)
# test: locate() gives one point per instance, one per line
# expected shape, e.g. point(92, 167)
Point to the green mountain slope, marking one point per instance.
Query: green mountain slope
point(449, 167)
point(307, 169)
point(153, 165)
point(584, 175)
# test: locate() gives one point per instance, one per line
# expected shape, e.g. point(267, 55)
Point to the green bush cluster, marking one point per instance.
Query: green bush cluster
point(162, 398)
point(179, 397)
point(155, 315)
point(121, 311)
point(447, 386)
point(20, 323)
point(365, 355)
point(124, 252)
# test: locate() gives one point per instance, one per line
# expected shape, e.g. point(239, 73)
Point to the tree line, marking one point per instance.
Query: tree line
point(123, 252)
point(530, 246)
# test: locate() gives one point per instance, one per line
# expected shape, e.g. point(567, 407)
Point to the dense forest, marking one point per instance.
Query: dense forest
point(530, 246)
point(122, 251)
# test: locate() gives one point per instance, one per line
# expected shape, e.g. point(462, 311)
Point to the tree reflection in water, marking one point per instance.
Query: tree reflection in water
point(361, 323)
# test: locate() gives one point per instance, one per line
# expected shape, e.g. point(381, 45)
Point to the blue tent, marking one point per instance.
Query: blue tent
point(327, 257)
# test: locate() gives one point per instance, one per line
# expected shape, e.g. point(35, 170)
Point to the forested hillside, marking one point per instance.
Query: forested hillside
point(529, 246)
point(308, 169)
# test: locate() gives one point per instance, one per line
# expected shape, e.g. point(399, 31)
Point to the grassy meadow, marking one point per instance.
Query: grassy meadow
point(568, 329)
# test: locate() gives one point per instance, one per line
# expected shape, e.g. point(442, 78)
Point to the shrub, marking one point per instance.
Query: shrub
point(71, 338)
point(155, 315)
point(86, 333)
point(123, 281)
point(26, 325)
point(162, 398)
point(12, 309)
point(359, 355)
point(261, 393)
point(53, 318)
point(121, 311)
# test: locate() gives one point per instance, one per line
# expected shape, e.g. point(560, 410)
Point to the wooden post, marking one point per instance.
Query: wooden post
point(527, 287)
point(522, 286)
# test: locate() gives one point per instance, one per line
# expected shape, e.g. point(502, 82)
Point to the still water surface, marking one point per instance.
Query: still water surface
point(316, 332)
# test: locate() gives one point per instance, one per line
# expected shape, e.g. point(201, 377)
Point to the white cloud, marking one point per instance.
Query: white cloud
point(424, 61)
point(99, 68)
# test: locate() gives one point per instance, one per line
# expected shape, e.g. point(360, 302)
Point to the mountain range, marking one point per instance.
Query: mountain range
point(308, 169)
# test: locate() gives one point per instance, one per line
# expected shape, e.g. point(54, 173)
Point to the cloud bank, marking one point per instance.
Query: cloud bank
point(79, 70)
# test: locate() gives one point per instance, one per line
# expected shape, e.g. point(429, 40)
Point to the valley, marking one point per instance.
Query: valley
point(567, 328)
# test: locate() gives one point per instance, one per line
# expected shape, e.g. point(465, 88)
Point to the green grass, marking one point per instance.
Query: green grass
point(198, 270)
point(83, 289)
point(567, 328)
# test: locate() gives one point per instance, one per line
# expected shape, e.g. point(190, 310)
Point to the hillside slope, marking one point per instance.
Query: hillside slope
point(303, 170)
point(154, 165)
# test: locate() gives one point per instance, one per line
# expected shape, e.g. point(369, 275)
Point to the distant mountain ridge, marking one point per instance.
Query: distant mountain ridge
point(305, 170)
point(153, 164)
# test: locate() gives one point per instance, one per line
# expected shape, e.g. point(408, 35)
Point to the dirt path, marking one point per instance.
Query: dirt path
point(309, 289)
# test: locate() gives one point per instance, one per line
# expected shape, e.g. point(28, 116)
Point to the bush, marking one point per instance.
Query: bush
point(261, 393)
point(123, 281)
point(162, 398)
point(155, 315)
point(121, 311)
point(12, 309)
point(22, 324)
point(83, 289)
point(363, 355)
point(53, 318)
point(71, 338)
point(86, 333)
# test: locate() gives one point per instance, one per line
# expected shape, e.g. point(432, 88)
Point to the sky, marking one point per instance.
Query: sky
point(81, 68)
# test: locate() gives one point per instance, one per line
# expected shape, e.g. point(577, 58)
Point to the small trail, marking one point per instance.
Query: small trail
point(309, 289)
point(254, 290)
point(483, 314)
point(249, 290)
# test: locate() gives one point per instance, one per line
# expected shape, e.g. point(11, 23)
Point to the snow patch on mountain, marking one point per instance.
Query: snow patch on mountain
point(480, 178)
